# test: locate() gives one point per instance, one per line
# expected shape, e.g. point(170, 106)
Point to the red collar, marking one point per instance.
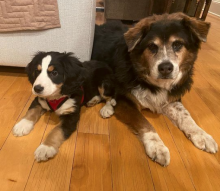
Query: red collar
point(82, 99)
point(56, 103)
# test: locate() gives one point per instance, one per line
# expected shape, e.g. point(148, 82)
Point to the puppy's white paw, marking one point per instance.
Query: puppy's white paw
point(113, 102)
point(107, 111)
point(44, 152)
point(23, 127)
point(95, 100)
point(204, 141)
point(156, 149)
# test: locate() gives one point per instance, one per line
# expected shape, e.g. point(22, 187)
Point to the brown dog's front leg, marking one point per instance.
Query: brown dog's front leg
point(178, 114)
point(127, 112)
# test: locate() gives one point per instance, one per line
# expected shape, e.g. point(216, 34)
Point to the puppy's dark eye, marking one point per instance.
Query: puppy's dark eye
point(54, 73)
point(177, 45)
point(153, 48)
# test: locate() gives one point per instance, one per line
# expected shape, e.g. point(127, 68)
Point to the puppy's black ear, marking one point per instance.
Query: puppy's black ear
point(32, 66)
point(199, 28)
point(74, 74)
point(134, 35)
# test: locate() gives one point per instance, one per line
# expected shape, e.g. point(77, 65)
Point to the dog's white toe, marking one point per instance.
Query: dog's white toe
point(204, 141)
point(23, 127)
point(44, 152)
point(95, 100)
point(113, 102)
point(156, 149)
point(107, 111)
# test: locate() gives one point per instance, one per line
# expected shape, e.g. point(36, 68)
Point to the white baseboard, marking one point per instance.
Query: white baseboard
point(215, 8)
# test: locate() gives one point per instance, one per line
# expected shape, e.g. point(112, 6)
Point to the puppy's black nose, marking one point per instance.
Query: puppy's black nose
point(165, 68)
point(38, 88)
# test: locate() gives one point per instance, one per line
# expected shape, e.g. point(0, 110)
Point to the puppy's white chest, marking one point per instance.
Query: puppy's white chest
point(154, 102)
point(66, 108)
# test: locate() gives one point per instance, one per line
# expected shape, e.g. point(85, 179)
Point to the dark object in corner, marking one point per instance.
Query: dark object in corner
point(136, 10)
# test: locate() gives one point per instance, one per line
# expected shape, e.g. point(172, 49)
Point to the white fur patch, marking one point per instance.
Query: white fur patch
point(155, 148)
point(44, 104)
point(67, 105)
point(154, 102)
point(113, 102)
point(204, 141)
point(107, 110)
point(95, 100)
point(44, 80)
point(165, 52)
point(23, 127)
point(44, 152)
point(177, 79)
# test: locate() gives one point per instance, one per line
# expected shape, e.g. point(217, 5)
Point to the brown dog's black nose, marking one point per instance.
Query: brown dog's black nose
point(38, 88)
point(165, 68)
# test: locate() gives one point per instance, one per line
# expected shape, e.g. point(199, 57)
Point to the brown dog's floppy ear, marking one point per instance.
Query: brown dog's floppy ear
point(198, 27)
point(134, 35)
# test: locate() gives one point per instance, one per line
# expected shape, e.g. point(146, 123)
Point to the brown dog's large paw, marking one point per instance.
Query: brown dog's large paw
point(204, 141)
point(156, 149)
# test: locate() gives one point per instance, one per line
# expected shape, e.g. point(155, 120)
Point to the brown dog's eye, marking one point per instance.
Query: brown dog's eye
point(54, 73)
point(177, 45)
point(153, 48)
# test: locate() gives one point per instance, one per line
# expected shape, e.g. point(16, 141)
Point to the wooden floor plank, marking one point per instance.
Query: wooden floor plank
point(130, 168)
point(211, 76)
point(55, 174)
point(92, 122)
point(91, 168)
point(200, 81)
point(17, 155)
point(170, 174)
point(6, 81)
point(211, 98)
point(12, 104)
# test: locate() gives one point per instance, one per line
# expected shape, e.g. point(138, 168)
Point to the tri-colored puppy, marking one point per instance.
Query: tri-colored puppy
point(63, 84)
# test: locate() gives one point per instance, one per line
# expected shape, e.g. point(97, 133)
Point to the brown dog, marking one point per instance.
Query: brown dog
point(153, 64)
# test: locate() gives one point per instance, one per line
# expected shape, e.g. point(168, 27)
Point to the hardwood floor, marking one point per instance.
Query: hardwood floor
point(103, 154)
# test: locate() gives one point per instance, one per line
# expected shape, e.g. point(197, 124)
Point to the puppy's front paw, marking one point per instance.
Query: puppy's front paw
point(95, 100)
point(156, 149)
point(44, 152)
point(204, 141)
point(107, 111)
point(23, 127)
point(113, 102)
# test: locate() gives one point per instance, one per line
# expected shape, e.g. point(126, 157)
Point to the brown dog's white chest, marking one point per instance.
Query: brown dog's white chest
point(147, 99)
